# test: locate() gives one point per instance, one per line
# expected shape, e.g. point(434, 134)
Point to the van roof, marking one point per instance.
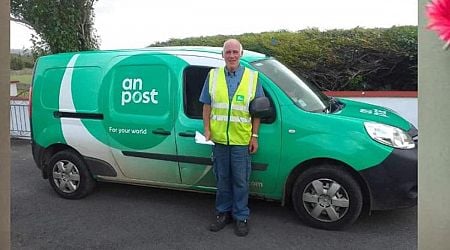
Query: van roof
point(216, 51)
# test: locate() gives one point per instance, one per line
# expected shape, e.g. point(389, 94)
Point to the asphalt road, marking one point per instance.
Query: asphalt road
point(119, 216)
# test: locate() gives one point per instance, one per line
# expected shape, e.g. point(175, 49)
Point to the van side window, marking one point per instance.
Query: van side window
point(194, 78)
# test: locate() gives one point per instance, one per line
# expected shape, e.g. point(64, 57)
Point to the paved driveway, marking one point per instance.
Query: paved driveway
point(119, 216)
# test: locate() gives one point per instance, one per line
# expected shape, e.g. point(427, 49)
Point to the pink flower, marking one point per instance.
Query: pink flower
point(438, 12)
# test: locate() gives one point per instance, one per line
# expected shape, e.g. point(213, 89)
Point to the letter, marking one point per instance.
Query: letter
point(136, 82)
point(137, 97)
point(127, 84)
point(146, 97)
point(126, 97)
point(153, 94)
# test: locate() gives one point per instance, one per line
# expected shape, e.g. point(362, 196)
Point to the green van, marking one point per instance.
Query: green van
point(130, 116)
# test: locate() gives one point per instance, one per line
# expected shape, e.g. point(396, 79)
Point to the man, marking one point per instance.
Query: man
point(226, 96)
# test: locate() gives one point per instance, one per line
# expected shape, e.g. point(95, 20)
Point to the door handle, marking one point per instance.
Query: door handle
point(187, 134)
point(160, 131)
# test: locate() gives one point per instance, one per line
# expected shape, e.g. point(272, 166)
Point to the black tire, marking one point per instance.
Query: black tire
point(317, 208)
point(69, 175)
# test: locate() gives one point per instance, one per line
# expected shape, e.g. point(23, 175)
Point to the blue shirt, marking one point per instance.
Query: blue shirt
point(233, 79)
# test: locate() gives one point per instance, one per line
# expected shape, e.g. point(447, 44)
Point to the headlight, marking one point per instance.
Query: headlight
point(389, 135)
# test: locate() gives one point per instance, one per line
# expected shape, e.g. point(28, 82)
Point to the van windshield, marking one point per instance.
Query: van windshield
point(305, 95)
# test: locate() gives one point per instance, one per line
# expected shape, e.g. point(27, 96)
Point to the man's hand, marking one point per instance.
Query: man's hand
point(207, 134)
point(253, 145)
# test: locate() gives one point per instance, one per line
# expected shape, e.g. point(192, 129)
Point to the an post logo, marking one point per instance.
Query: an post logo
point(132, 92)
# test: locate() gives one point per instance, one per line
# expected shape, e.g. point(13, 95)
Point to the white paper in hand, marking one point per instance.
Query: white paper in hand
point(200, 139)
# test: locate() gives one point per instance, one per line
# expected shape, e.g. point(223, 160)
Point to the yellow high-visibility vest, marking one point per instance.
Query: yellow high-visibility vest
point(230, 123)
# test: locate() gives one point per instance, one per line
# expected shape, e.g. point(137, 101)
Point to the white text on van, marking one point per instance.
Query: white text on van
point(132, 92)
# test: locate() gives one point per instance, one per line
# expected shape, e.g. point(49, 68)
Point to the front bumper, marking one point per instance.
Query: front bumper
point(393, 183)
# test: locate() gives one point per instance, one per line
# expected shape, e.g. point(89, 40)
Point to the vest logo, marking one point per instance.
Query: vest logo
point(132, 92)
point(240, 98)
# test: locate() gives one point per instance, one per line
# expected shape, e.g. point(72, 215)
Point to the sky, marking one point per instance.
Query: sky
point(138, 23)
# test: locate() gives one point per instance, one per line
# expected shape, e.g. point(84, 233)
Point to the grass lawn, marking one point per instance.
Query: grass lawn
point(23, 76)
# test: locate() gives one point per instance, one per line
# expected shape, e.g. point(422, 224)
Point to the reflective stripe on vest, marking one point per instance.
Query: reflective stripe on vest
point(233, 106)
point(224, 118)
point(230, 123)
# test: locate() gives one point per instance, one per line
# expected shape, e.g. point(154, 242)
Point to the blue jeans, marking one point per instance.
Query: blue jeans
point(232, 167)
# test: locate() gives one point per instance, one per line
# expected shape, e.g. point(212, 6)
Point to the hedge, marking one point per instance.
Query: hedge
point(335, 60)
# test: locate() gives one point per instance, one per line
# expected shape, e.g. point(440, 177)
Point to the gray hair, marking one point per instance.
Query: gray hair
point(241, 49)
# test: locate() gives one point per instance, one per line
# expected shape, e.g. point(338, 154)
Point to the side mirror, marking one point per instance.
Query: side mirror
point(260, 107)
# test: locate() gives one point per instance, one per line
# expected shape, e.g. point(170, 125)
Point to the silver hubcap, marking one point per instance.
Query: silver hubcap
point(66, 176)
point(325, 200)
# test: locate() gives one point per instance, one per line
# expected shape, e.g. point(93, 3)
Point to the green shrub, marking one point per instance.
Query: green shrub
point(355, 59)
point(16, 63)
point(19, 62)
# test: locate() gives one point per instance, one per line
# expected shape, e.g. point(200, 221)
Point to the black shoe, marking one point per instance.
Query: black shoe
point(241, 228)
point(221, 221)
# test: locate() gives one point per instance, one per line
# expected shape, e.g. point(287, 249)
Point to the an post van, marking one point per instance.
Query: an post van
point(130, 116)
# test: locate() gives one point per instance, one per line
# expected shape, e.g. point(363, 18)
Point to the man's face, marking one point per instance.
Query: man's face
point(232, 54)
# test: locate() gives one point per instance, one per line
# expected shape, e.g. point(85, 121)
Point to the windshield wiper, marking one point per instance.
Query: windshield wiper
point(333, 103)
point(329, 109)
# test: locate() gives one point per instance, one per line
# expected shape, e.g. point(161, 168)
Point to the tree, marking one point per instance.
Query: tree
point(60, 25)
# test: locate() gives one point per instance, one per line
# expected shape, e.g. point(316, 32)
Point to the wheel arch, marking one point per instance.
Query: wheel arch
point(302, 167)
point(51, 151)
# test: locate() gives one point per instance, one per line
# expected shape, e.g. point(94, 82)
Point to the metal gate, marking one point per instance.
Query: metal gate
point(19, 121)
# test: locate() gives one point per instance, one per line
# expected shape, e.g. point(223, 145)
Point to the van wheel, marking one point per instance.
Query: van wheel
point(327, 197)
point(69, 175)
